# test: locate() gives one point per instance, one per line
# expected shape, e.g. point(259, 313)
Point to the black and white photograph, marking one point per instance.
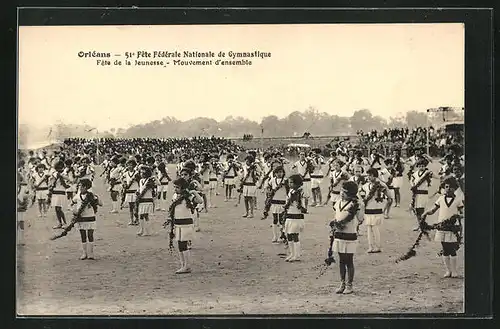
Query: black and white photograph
point(241, 169)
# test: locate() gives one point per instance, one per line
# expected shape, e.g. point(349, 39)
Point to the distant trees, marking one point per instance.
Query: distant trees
point(297, 123)
point(416, 119)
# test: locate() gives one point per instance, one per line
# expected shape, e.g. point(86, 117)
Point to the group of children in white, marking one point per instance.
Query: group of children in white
point(361, 191)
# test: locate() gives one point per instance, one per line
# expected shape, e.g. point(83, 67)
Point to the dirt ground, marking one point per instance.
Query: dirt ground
point(236, 269)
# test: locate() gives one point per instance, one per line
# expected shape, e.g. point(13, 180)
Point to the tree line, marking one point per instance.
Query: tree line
point(310, 121)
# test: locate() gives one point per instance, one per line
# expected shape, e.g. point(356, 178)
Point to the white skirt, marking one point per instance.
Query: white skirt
point(445, 236)
point(58, 200)
point(184, 232)
point(249, 190)
point(373, 219)
point(116, 188)
point(334, 198)
point(316, 182)
point(228, 181)
point(294, 225)
point(345, 246)
point(276, 208)
point(86, 225)
point(390, 193)
point(146, 208)
point(397, 182)
point(42, 195)
point(130, 197)
point(161, 188)
point(421, 200)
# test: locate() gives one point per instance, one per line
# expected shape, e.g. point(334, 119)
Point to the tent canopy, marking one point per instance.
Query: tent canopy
point(298, 145)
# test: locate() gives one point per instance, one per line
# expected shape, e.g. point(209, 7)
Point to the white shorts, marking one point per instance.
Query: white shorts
point(421, 200)
point(161, 188)
point(184, 232)
point(130, 197)
point(206, 186)
point(213, 183)
point(373, 219)
point(58, 200)
point(276, 208)
point(86, 225)
point(294, 225)
point(390, 193)
point(117, 188)
point(334, 197)
point(146, 208)
point(228, 181)
point(345, 246)
point(249, 190)
point(316, 182)
point(445, 236)
point(397, 182)
point(42, 195)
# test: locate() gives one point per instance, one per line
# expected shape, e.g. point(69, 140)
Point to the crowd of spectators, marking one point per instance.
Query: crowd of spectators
point(171, 148)
point(383, 142)
point(406, 139)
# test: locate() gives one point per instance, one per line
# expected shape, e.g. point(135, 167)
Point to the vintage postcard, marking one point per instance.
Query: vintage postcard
point(241, 169)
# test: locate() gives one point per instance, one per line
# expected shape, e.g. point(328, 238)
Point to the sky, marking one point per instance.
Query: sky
point(387, 68)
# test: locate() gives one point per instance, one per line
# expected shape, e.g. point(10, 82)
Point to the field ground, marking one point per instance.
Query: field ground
point(236, 269)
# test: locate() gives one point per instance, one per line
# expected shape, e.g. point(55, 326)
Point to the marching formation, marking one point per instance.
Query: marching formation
point(361, 191)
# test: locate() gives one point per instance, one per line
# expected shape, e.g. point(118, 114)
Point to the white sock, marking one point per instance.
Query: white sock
point(141, 226)
point(291, 249)
point(187, 259)
point(369, 233)
point(296, 249)
point(453, 265)
point(183, 261)
point(90, 249)
point(376, 236)
point(84, 249)
point(447, 263)
point(275, 232)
